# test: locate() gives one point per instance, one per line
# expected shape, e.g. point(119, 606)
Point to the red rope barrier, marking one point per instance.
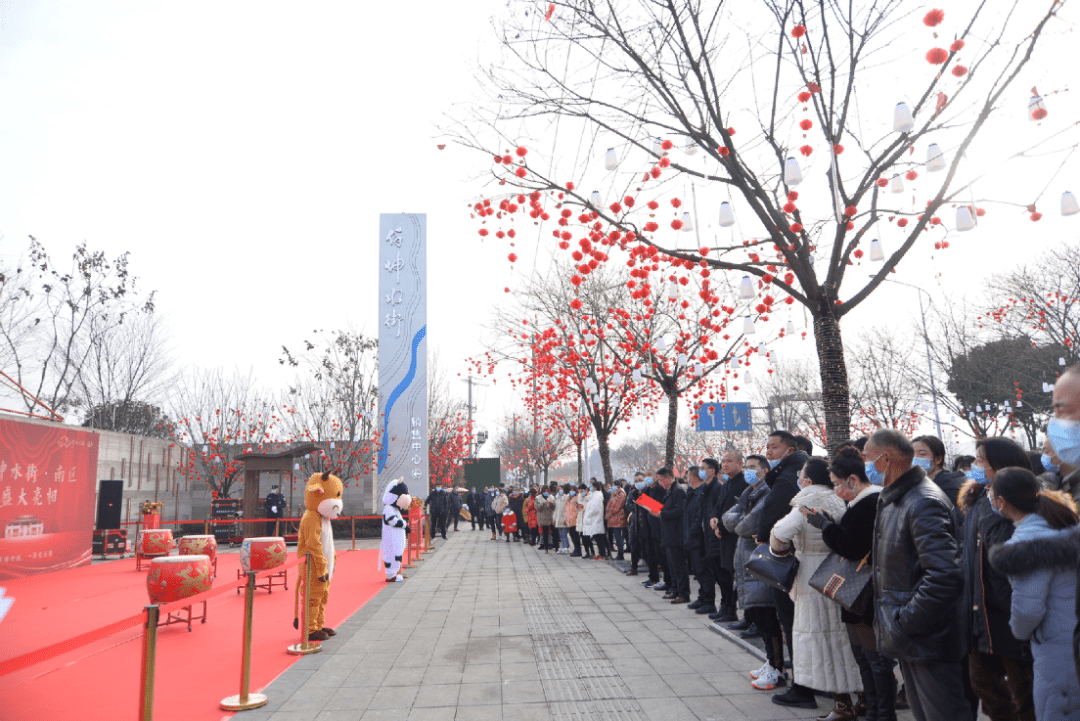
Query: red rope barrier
point(59, 648)
point(223, 521)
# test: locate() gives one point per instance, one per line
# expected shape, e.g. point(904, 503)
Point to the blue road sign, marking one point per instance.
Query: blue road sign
point(717, 416)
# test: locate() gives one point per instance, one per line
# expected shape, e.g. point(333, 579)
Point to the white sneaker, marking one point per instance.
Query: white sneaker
point(767, 681)
point(757, 674)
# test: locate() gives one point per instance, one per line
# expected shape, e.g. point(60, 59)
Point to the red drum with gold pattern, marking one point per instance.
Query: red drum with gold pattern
point(173, 578)
point(261, 554)
point(155, 542)
point(198, 546)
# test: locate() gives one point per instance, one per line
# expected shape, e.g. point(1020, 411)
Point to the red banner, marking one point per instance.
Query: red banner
point(48, 474)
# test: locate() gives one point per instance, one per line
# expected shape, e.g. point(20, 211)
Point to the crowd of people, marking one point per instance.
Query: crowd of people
point(973, 584)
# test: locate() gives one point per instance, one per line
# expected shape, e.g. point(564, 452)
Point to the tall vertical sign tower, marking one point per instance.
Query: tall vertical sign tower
point(403, 397)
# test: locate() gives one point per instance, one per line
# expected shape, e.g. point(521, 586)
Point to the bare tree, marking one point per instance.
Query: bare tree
point(790, 397)
point(746, 89)
point(885, 390)
point(217, 418)
point(533, 450)
point(334, 399)
point(54, 323)
point(125, 366)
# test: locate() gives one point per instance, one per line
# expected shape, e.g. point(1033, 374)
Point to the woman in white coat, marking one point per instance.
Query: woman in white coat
point(563, 543)
point(822, 653)
point(593, 524)
point(586, 540)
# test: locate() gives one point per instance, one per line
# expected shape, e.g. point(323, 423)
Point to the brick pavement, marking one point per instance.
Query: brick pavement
point(488, 630)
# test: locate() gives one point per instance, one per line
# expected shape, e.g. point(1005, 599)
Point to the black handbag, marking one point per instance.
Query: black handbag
point(845, 581)
point(776, 571)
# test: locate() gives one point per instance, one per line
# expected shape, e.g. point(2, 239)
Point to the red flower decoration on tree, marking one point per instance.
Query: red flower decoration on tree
point(902, 222)
point(667, 145)
point(796, 227)
point(804, 96)
point(521, 152)
point(957, 46)
point(1039, 113)
point(911, 175)
point(575, 304)
point(937, 56)
point(512, 257)
point(798, 31)
point(676, 224)
point(838, 148)
point(806, 150)
point(806, 124)
point(959, 71)
point(850, 211)
point(933, 18)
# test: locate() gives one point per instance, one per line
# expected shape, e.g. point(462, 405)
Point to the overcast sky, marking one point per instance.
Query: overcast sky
point(242, 152)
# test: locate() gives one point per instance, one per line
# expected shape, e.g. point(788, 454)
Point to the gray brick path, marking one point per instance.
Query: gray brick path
point(484, 630)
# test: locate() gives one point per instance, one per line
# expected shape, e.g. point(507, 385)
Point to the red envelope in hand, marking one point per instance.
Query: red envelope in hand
point(649, 503)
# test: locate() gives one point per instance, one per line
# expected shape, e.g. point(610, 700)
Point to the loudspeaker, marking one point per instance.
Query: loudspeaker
point(110, 495)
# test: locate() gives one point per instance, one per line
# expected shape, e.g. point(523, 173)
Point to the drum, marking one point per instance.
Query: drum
point(261, 554)
point(198, 546)
point(172, 578)
point(155, 542)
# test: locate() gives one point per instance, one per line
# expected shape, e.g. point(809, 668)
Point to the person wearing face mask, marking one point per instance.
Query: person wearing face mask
point(852, 537)
point(756, 597)
point(918, 579)
point(559, 520)
point(499, 504)
point(999, 666)
point(1040, 561)
point(720, 543)
point(593, 523)
point(655, 554)
point(693, 536)
point(633, 538)
point(930, 456)
point(783, 480)
point(821, 653)
point(572, 512)
point(544, 505)
point(671, 539)
point(615, 516)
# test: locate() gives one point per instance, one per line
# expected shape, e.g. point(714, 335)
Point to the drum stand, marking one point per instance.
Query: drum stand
point(281, 578)
point(185, 615)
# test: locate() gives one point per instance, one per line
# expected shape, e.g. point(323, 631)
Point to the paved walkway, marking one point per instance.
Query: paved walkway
point(488, 630)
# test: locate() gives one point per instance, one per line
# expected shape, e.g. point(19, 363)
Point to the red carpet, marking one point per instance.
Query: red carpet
point(195, 670)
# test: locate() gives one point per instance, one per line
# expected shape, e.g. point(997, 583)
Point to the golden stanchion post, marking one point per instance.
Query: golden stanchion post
point(427, 534)
point(305, 646)
point(409, 560)
point(245, 700)
point(149, 657)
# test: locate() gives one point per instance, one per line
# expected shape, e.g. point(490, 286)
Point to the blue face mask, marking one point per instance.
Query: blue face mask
point(774, 464)
point(994, 508)
point(545, 494)
point(648, 480)
point(977, 473)
point(923, 463)
point(1065, 438)
point(639, 485)
point(701, 474)
point(1048, 464)
point(874, 475)
point(573, 493)
point(725, 477)
point(750, 475)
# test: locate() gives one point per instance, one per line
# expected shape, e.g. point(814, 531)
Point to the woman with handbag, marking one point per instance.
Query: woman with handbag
point(851, 536)
point(821, 653)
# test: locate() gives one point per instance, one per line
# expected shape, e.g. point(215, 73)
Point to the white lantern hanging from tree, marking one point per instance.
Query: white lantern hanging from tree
point(964, 221)
point(687, 222)
point(792, 173)
point(611, 160)
point(935, 158)
point(902, 120)
point(1069, 205)
point(727, 217)
point(746, 288)
point(876, 252)
point(595, 199)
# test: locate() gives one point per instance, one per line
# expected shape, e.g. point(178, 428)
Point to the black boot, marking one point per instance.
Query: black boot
point(885, 688)
point(869, 682)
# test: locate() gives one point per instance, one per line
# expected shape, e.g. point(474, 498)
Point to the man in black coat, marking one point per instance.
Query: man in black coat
point(671, 535)
point(720, 543)
point(787, 461)
point(918, 579)
point(437, 506)
point(693, 537)
point(475, 502)
point(276, 508)
point(453, 507)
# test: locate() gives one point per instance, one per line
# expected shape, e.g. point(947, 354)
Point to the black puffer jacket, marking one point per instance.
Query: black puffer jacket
point(475, 502)
point(657, 493)
point(710, 495)
point(437, 502)
point(671, 516)
point(454, 502)
point(951, 482)
point(918, 579)
point(987, 593)
point(783, 482)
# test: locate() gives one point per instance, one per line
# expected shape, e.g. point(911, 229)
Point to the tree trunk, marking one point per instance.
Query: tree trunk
point(672, 422)
point(835, 394)
point(605, 456)
point(580, 466)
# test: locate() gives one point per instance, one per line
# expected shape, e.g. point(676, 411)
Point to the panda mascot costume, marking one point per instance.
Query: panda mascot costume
point(394, 529)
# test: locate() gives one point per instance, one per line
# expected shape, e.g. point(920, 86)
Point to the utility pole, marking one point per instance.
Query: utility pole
point(472, 433)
